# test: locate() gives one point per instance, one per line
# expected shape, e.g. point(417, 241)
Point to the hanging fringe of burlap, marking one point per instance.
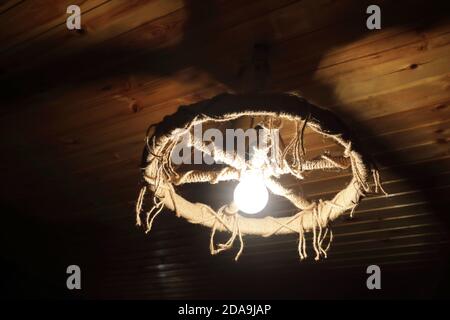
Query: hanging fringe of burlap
point(314, 217)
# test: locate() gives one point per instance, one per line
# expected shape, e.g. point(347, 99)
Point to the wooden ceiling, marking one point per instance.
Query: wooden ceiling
point(75, 106)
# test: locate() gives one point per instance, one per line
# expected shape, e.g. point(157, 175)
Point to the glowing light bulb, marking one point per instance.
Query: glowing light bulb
point(251, 194)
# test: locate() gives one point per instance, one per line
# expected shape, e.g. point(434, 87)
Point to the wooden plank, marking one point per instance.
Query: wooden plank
point(124, 189)
point(126, 180)
point(119, 129)
point(127, 259)
point(285, 10)
point(131, 145)
point(102, 19)
point(7, 5)
point(348, 238)
point(116, 18)
point(404, 203)
point(388, 106)
point(393, 253)
point(177, 260)
point(424, 138)
point(31, 19)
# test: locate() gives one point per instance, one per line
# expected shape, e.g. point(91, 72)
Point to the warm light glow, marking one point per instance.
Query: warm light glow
point(251, 194)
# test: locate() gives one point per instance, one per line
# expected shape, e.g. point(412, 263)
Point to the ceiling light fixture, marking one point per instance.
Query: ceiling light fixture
point(262, 172)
